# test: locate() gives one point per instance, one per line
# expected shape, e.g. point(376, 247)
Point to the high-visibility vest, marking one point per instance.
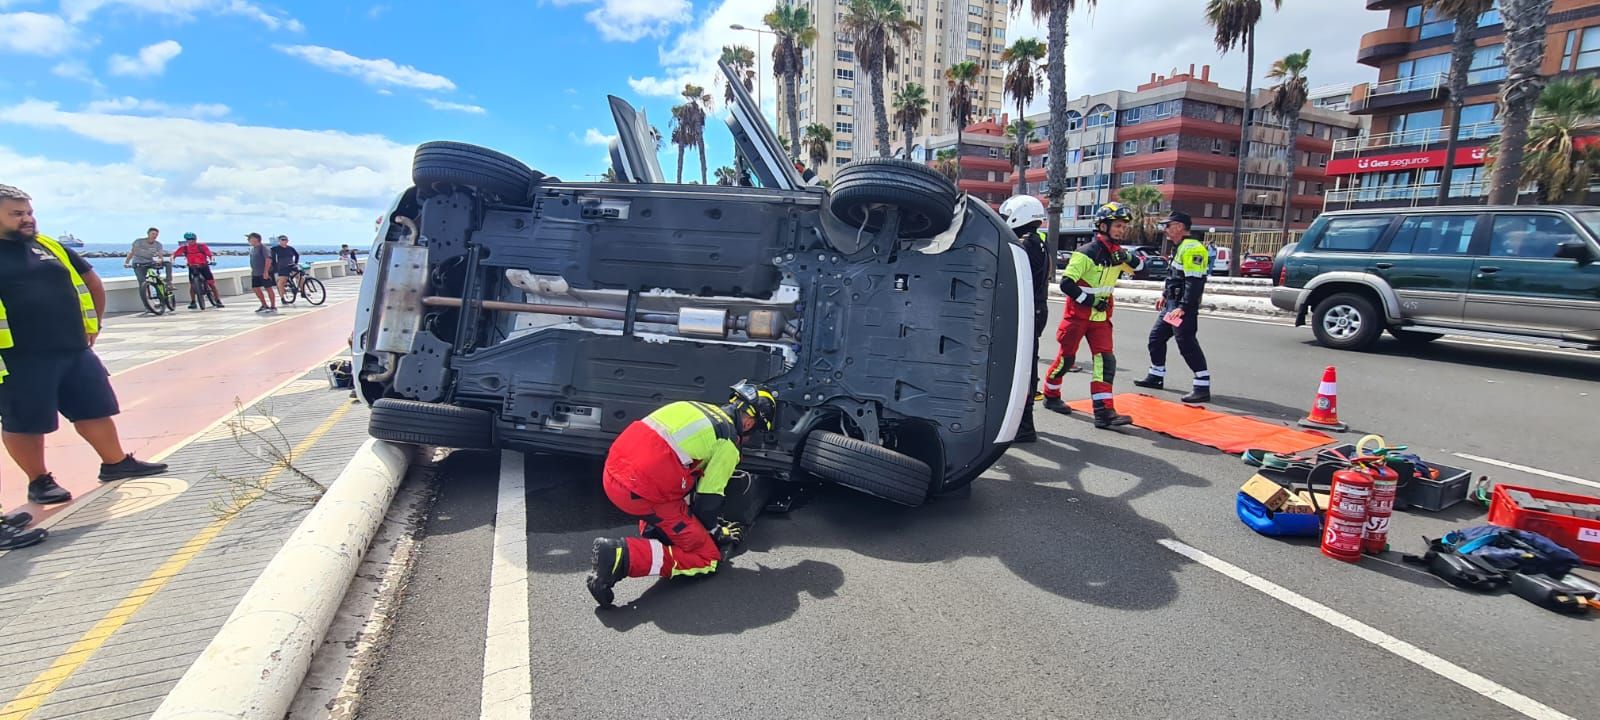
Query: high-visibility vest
point(91, 320)
point(702, 436)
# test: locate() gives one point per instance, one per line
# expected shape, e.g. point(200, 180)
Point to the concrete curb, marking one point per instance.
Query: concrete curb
point(254, 666)
point(1213, 302)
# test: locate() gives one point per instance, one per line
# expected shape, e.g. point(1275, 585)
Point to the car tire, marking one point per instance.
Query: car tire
point(862, 189)
point(411, 422)
point(443, 163)
point(1413, 338)
point(1346, 321)
point(872, 469)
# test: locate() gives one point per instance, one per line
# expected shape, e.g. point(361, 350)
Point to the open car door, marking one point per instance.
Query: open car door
point(758, 145)
point(633, 153)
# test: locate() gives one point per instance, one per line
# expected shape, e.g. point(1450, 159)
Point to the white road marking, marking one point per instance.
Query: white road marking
point(507, 671)
point(1529, 470)
point(1490, 689)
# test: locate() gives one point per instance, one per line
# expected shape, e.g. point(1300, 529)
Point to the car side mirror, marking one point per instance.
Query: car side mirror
point(1575, 250)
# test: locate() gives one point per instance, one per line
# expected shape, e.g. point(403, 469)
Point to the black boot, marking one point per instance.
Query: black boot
point(1198, 395)
point(1106, 417)
point(1154, 382)
point(44, 491)
point(1025, 432)
point(1054, 404)
point(610, 565)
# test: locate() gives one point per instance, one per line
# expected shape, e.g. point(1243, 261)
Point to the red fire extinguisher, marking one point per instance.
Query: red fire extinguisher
point(1385, 482)
point(1347, 515)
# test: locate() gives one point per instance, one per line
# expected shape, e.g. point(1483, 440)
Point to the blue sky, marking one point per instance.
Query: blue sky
point(229, 116)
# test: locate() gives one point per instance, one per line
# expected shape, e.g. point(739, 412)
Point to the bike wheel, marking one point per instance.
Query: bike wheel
point(289, 293)
point(168, 298)
point(316, 293)
point(216, 298)
point(150, 295)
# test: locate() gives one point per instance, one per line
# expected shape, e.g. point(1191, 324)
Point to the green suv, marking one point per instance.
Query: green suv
point(1517, 273)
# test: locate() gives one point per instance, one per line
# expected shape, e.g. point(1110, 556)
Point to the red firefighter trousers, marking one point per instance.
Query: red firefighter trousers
point(1074, 329)
point(644, 478)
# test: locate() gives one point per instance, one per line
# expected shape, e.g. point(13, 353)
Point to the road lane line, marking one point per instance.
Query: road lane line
point(1490, 689)
point(507, 663)
point(30, 698)
point(1529, 470)
point(203, 346)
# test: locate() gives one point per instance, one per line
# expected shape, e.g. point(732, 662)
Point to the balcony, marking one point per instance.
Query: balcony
point(1401, 92)
point(1379, 46)
point(1424, 138)
point(1382, 4)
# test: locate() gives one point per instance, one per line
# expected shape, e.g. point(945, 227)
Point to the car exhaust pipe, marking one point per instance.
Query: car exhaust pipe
point(691, 322)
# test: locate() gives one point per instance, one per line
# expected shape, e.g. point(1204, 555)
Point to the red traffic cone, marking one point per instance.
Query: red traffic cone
point(1325, 411)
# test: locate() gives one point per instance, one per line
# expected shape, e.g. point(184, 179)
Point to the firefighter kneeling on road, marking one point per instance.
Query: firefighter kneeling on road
point(1088, 282)
point(671, 469)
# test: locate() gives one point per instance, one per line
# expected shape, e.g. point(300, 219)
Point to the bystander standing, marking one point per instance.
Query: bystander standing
point(261, 274)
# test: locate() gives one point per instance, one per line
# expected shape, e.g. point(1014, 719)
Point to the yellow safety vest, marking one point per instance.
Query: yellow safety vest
point(91, 320)
point(1094, 279)
point(702, 436)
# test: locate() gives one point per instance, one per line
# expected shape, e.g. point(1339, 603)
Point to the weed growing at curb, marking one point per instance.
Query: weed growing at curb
point(275, 451)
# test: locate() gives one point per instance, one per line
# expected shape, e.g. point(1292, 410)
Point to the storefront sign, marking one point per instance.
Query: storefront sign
point(1465, 157)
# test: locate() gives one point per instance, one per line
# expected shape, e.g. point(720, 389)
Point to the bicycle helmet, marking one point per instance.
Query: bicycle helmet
point(755, 401)
point(189, 236)
point(1112, 211)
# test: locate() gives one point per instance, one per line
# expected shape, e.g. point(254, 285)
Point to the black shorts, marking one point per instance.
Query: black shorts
point(200, 273)
point(256, 281)
point(42, 385)
point(285, 273)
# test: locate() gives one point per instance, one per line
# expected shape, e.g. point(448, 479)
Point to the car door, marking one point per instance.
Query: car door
point(1521, 286)
point(1429, 264)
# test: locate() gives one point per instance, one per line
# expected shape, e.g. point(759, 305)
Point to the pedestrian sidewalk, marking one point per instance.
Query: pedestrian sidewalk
point(178, 374)
point(104, 617)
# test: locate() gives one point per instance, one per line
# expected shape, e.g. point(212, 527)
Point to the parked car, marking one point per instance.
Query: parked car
point(1256, 266)
point(1155, 265)
point(1525, 273)
point(892, 316)
point(1222, 260)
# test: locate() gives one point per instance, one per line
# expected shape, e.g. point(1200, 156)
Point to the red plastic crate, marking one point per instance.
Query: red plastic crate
point(1579, 535)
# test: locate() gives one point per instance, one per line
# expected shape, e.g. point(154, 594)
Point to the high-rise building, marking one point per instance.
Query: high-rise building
point(835, 91)
point(1399, 162)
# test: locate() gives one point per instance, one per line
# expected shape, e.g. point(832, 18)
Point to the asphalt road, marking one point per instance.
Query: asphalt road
point(1057, 589)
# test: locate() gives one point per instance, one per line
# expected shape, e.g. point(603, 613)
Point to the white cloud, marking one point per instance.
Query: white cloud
point(692, 56)
point(632, 20)
point(438, 104)
point(200, 168)
point(377, 11)
point(184, 10)
point(595, 137)
point(151, 61)
point(75, 70)
point(138, 106)
point(373, 72)
point(1168, 40)
point(31, 33)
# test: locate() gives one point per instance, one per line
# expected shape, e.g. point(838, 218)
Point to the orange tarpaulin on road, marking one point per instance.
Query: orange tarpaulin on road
point(1228, 433)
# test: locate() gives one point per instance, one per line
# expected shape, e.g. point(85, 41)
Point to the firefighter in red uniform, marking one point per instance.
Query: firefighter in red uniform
point(671, 469)
point(1088, 281)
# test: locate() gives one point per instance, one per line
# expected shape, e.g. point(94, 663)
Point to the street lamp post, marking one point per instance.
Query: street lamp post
point(759, 32)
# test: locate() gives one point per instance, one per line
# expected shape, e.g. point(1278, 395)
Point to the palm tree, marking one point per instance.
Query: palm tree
point(681, 137)
point(961, 76)
point(689, 125)
point(1288, 97)
point(1524, 49)
point(727, 176)
point(609, 176)
point(1055, 13)
point(877, 25)
point(792, 25)
point(1568, 109)
point(1022, 80)
point(1465, 13)
point(816, 141)
point(743, 62)
point(910, 106)
point(1142, 200)
point(1235, 24)
point(1020, 131)
point(945, 163)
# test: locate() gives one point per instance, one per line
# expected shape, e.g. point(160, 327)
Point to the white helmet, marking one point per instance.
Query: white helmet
point(1020, 210)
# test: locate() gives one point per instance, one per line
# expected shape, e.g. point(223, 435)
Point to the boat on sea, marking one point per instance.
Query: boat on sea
point(69, 241)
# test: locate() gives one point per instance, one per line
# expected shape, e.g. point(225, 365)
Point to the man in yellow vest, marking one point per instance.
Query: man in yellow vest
point(1088, 281)
point(671, 469)
point(51, 302)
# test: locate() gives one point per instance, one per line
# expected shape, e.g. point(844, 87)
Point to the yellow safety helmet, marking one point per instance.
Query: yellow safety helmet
point(755, 401)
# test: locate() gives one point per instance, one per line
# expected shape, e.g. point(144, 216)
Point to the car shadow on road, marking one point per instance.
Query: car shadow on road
point(766, 596)
point(1510, 359)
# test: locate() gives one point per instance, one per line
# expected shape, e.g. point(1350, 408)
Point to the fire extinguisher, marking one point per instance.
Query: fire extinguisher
point(1347, 514)
point(1385, 483)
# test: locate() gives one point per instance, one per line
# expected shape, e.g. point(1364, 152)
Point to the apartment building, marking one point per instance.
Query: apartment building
point(1399, 162)
point(987, 170)
point(1180, 133)
point(836, 92)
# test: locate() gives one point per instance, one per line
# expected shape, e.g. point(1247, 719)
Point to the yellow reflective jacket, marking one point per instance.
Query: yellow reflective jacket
point(702, 436)
point(1091, 274)
point(1186, 279)
point(91, 319)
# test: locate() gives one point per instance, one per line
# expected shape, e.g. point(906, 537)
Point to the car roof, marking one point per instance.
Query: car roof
point(1460, 209)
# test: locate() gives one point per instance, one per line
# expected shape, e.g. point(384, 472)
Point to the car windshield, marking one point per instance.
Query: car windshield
point(1591, 220)
point(1260, 258)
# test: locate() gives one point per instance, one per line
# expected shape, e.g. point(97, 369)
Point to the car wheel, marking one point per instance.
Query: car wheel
point(863, 190)
point(1346, 321)
point(422, 423)
point(453, 163)
point(1414, 338)
point(872, 469)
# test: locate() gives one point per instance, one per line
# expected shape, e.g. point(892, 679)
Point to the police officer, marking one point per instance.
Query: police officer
point(1180, 303)
point(1025, 215)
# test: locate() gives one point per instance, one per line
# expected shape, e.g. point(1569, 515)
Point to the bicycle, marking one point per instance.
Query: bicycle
point(303, 284)
point(156, 292)
point(207, 289)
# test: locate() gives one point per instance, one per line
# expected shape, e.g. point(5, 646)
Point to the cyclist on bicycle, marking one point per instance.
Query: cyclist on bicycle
point(145, 254)
point(285, 261)
point(198, 256)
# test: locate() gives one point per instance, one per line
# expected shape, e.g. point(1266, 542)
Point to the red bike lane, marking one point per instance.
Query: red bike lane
point(168, 401)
